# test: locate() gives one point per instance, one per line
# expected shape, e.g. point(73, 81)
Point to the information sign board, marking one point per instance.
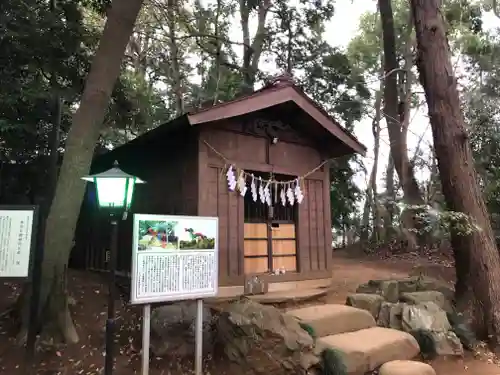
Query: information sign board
point(16, 240)
point(174, 258)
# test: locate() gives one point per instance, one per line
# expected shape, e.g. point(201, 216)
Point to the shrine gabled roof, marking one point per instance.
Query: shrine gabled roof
point(281, 90)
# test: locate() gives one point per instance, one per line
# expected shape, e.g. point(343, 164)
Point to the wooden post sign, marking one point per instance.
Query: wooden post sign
point(174, 258)
point(17, 240)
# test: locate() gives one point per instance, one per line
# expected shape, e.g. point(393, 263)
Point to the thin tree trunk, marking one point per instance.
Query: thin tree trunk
point(390, 193)
point(80, 144)
point(218, 49)
point(371, 191)
point(289, 47)
point(175, 69)
point(456, 167)
point(377, 227)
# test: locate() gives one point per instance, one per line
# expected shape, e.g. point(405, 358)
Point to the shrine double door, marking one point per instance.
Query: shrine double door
point(270, 247)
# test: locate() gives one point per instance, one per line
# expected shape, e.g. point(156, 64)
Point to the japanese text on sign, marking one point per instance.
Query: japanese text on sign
point(15, 242)
point(174, 258)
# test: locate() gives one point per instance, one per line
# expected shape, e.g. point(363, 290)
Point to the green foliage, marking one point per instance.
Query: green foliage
point(135, 107)
point(332, 362)
point(444, 222)
point(46, 51)
point(344, 194)
point(37, 44)
point(309, 329)
point(425, 342)
point(481, 109)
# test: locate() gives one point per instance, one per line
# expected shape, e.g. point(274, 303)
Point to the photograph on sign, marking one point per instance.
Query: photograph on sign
point(176, 234)
point(174, 258)
point(16, 237)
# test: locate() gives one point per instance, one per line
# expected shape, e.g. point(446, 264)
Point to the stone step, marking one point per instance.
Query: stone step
point(367, 349)
point(332, 319)
point(406, 368)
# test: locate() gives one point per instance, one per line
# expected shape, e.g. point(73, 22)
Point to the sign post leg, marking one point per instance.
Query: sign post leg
point(111, 321)
point(199, 338)
point(36, 276)
point(146, 327)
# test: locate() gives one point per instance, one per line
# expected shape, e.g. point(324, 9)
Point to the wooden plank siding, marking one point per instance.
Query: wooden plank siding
point(251, 152)
point(216, 200)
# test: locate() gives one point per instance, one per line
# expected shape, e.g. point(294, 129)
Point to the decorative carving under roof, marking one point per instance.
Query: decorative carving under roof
point(271, 128)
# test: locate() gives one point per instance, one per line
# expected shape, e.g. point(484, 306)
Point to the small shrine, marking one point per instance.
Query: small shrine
point(260, 163)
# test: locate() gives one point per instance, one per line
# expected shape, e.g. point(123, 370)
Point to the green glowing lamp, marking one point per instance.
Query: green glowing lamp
point(115, 188)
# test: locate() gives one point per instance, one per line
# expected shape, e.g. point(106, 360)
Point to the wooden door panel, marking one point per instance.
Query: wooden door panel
point(254, 248)
point(256, 265)
point(283, 231)
point(255, 230)
point(284, 247)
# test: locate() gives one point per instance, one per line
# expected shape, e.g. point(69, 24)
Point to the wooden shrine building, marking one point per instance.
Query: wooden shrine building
point(276, 135)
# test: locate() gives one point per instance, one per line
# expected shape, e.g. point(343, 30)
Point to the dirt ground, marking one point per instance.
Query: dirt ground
point(87, 357)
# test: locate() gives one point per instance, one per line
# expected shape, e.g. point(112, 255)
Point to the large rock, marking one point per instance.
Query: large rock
point(260, 339)
point(425, 316)
point(431, 318)
point(406, 368)
point(365, 301)
point(425, 285)
point(371, 287)
point(408, 285)
point(390, 315)
point(367, 349)
point(173, 329)
point(330, 319)
point(428, 296)
point(390, 290)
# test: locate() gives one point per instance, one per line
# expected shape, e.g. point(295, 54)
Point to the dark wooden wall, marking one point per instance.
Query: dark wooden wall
point(170, 168)
point(253, 152)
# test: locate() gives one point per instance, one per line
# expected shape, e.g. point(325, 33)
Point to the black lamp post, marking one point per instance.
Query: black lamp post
point(115, 190)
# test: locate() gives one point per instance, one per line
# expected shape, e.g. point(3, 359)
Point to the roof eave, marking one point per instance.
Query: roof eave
point(275, 97)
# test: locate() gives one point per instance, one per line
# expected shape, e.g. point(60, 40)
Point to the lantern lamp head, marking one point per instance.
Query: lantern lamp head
point(115, 188)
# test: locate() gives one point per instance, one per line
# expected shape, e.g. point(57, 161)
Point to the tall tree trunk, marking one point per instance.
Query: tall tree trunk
point(80, 144)
point(391, 107)
point(411, 191)
point(456, 168)
point(252, 50)
point(54, 136)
